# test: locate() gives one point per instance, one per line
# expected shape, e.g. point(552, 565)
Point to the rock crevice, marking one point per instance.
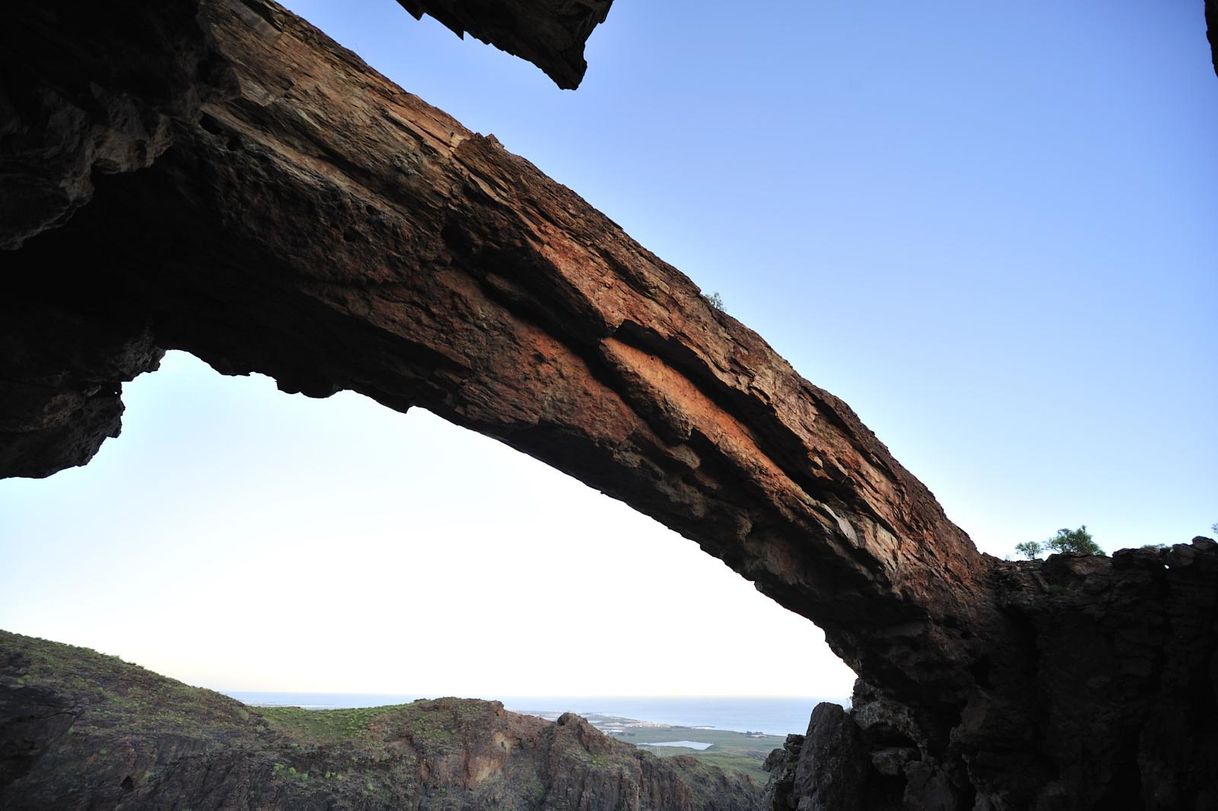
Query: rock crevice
point(313, 222)
point(219, 177)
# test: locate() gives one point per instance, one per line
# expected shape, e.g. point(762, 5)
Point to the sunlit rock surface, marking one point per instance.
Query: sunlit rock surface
point(217, 176)
point(313, 222)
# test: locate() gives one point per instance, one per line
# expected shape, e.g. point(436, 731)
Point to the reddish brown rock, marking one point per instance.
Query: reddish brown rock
point(219, 177)
point(313, 222)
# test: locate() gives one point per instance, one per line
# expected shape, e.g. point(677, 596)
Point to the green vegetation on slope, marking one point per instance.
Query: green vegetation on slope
point(729, 750)
point(83, 730)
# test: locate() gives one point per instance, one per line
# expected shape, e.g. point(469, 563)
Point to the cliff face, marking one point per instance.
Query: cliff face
point(1106, 700)
point(217, 176)
point(81, 730)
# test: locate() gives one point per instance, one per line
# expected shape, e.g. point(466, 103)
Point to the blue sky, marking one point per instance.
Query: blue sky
point(988, 227)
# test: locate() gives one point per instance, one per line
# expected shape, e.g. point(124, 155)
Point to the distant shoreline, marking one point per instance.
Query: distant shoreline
point(733, 734)
point(764, 715)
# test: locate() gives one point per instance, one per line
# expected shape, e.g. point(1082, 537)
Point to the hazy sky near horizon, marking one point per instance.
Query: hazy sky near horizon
point(987, 227)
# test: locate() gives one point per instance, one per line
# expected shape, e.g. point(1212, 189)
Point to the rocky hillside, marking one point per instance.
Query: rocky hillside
point(82, 730)
point(219, 177)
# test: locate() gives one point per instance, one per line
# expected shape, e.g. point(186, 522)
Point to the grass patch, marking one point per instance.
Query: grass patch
point(730, 750)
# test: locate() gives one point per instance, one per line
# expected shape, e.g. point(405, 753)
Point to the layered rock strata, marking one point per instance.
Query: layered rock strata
point(219, 177)
point(305, 218)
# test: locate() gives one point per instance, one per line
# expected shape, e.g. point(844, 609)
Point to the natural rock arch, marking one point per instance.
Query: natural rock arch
point(217, 176)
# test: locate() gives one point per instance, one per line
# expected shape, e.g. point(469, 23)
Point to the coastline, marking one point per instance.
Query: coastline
point(779, 716)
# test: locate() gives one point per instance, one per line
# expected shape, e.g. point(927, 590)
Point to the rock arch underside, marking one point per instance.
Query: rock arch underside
point(218, 176)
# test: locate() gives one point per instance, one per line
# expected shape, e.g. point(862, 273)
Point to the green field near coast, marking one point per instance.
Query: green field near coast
point(730, 750)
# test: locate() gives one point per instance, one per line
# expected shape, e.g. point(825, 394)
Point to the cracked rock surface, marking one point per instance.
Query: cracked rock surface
point(217, 176)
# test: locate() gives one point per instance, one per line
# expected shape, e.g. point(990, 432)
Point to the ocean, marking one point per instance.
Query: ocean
point(773, 716)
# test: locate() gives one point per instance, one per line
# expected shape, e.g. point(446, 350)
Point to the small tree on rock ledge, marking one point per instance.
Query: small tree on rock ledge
point(1072, 541)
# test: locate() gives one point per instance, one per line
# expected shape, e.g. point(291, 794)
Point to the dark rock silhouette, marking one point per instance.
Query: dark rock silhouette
point(218, 176)
point(1107, 700)
point(548, 33)
point(1211, 25)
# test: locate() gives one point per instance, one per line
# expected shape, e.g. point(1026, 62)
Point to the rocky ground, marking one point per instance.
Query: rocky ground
point(82, 730)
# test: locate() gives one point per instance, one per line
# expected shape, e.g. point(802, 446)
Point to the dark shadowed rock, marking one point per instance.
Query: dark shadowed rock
point(107, 110)
point(831, 774)
point(781, 765)
point(309, 220)
point(1211, 29)
point(548, 33)
point(62, 370)
point(219, 177)
point(1107, 700)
